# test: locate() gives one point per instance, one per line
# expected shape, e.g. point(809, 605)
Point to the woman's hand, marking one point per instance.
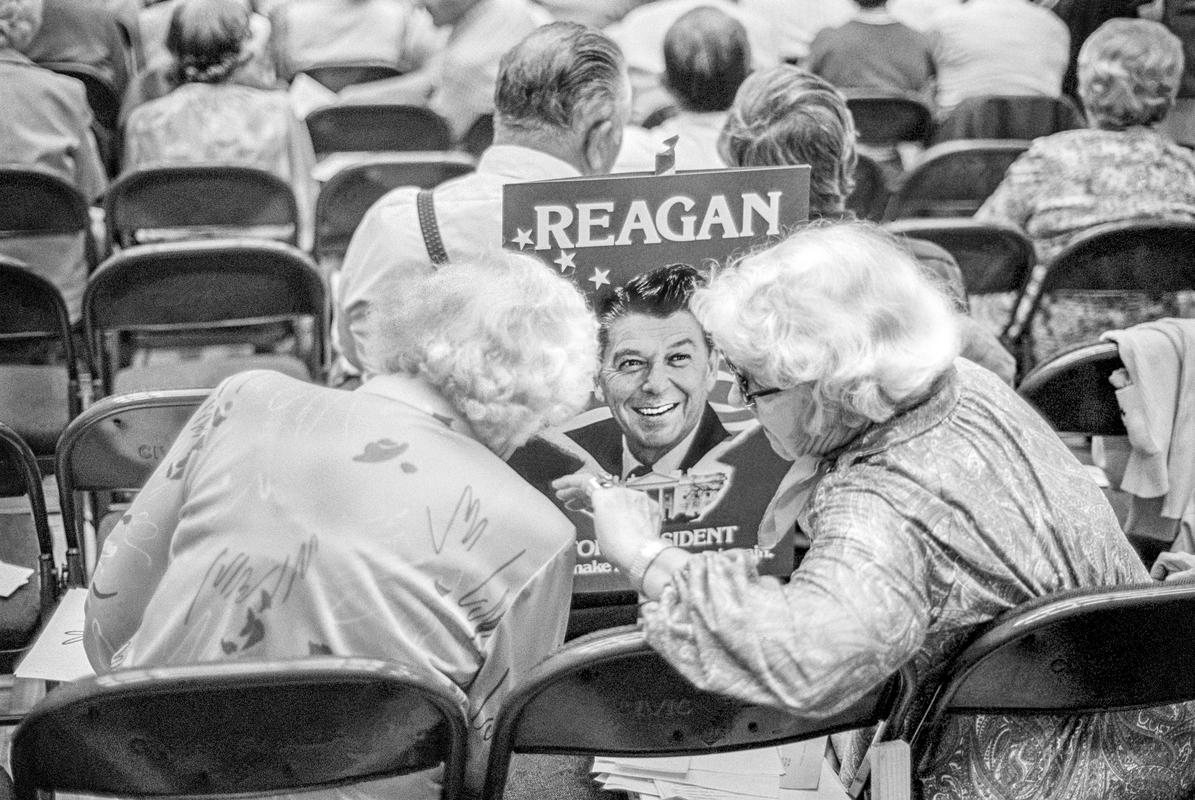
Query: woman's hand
point(574, 490)
point(1174, 567)
point(625, 520)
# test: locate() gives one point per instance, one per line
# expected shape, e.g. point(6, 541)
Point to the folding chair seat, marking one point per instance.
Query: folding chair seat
point(1009, 117)
point(113, 446)
point(886, 118)
point(870, 195)
point(338, 76)
point(199, 201)
point(610, 694)
point(350, 127)
point(1073, 653)
point(348, 194)
point(24, 541)
point(1113, 276)
point(242, 293)
point(34, 203)
point(39, 369)
point(954, 178)
point(240, 728)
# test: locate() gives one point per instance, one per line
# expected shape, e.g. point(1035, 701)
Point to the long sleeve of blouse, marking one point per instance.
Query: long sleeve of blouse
point(856, 610)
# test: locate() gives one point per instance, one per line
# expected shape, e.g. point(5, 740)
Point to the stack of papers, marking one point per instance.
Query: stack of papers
point(797, 771)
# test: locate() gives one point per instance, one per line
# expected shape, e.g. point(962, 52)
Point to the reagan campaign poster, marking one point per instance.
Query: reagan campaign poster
point(719, 472)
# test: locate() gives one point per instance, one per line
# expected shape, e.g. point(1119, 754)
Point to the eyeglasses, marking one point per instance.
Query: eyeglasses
point(741, 383)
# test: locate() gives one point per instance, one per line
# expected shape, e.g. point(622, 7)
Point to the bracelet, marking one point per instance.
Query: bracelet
point(644, 559)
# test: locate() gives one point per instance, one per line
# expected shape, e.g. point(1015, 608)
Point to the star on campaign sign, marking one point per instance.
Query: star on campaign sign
point(600, 232)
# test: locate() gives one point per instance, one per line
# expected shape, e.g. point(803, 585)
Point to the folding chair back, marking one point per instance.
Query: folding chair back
point(38, 203)
point(115, 445)
point(609, 693)
point(39, 372)
point(481, 135)
point(104, 102)
point(338, 76)
point(1073, 393)
point(953, 179)
point(238, 728)
point(199, 200)
point(349, 193)
point(355, 128)
point(884, 118)
point(1132, 263)
point(1077, 652)
point(992, 258)
point(201, 293)
point(870, 195)
point(24, 542)
point(1009, 117)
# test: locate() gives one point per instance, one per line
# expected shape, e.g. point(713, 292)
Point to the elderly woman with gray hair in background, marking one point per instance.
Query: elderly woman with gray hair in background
point(787, 116)
point(1120, 168)
point(290, 519)
point(941, 501)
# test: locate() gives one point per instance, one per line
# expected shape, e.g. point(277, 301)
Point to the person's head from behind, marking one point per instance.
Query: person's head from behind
point(564, 90)
point(831, 330)
point(207, 39)
point(1129, 73)
point(19, 22)
point(784, 116)
point(706, 59)
point(511, 345)
point(658, 366)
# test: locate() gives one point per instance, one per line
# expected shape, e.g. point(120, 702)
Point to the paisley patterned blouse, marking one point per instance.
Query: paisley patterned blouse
point(1069, 182)
point(922, 530)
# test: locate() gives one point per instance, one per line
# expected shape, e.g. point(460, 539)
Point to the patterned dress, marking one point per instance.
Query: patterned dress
point(290, 519)
point(924, 529)
point(1068, 183)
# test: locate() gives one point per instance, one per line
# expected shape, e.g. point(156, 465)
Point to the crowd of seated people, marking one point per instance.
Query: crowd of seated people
point(854, 349)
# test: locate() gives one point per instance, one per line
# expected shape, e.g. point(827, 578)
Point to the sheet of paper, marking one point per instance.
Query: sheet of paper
point(57, 654)
point(760, 761)
point(623, 783)
point(828, 787)
point(687, 791)
point(737, 783)
point(678, 765)
point(802, 762)
point(12, 578)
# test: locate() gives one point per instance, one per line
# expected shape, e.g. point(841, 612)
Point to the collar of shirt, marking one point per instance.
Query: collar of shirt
point(10, 56)
point(665, 464)
point(419, 394)
point(907, 424)
point(875, 16)
point(518, 163)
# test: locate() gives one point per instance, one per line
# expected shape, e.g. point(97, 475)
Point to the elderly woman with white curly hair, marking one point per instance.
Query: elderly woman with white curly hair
point(940, 501)
point(1120, 168)
point(291, 519)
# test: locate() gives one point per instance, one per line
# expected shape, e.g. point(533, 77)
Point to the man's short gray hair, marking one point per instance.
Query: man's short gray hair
point(840, 307)
point(556, 72)
point(19, 22)
point(511, 345)
point(1129, 73)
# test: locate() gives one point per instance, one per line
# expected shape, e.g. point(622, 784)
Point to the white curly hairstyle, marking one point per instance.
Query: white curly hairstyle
point(512, 346)
point(19, 22)
point(1129, 73)
point(842, 308)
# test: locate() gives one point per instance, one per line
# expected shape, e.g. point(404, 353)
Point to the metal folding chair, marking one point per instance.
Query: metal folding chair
point(954, 178)
point(349, 127)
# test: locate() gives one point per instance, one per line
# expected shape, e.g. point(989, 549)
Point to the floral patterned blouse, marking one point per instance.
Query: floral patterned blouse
point(1068, 183)
point(925, 528)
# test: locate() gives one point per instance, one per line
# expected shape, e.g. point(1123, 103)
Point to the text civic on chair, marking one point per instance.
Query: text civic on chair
point(237, 728)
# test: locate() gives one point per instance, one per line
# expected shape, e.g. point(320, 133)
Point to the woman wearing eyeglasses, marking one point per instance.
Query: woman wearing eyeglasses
point(943, 500)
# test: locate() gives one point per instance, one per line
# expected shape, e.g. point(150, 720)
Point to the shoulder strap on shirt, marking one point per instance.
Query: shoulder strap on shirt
point(425, 206)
